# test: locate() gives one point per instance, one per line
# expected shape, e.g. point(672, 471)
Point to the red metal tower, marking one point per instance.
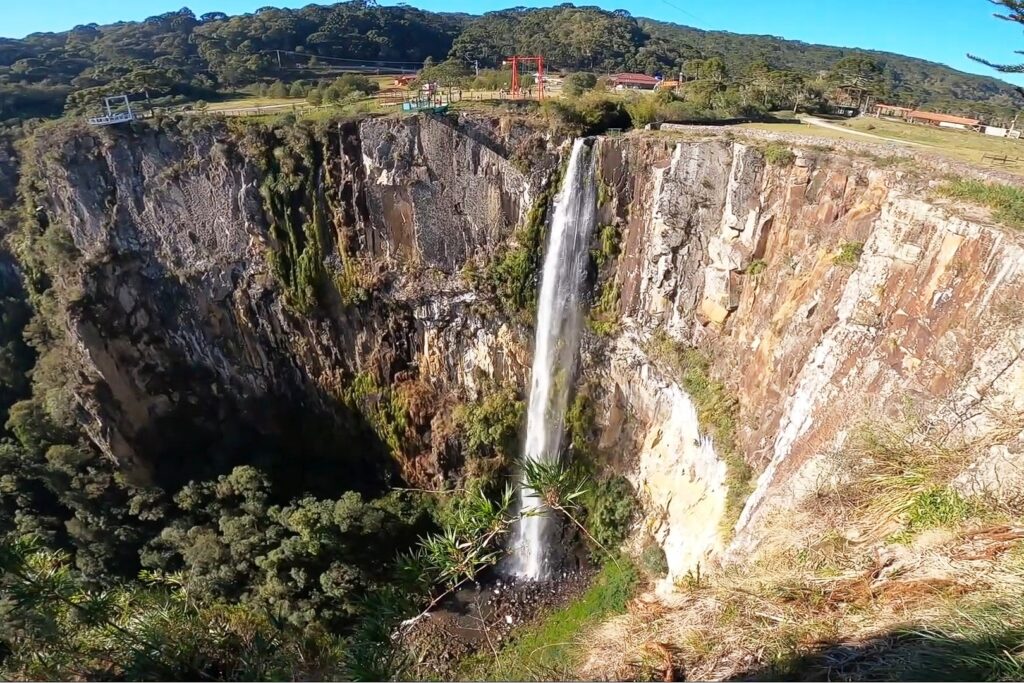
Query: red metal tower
point(515, 61)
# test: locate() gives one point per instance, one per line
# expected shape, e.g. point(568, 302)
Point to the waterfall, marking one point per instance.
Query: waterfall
point(555, 346)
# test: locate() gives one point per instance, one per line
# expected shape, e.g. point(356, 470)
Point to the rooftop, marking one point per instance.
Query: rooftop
point(941, 118)
point(635, 78)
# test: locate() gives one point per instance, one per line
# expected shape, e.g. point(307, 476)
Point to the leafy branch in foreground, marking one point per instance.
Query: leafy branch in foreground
point(470, 539)
point(1015, 13)
point(475, 526)
point(561, 489)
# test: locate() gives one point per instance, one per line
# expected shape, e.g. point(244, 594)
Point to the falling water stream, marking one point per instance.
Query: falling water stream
point(556, 346)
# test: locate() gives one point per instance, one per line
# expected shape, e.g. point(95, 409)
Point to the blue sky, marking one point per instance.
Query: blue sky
point(939, 30)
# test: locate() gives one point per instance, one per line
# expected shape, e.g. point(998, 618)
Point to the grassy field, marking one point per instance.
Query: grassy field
point(797, 128)
point(255, 102)
point(956, 144)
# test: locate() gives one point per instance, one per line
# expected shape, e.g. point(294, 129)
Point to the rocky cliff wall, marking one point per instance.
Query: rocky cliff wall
point(240, 275)
point(825, 293)
point(237, 277)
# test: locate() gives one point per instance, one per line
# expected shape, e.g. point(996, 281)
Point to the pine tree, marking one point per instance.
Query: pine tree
point(1014, 13)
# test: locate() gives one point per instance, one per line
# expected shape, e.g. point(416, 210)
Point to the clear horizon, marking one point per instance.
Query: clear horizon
point(942, 32)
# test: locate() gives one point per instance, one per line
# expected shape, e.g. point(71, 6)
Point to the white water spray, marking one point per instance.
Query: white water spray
point(556, 346)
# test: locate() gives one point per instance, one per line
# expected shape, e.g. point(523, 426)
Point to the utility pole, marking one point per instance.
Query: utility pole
point(278, 59)
point(476, 66)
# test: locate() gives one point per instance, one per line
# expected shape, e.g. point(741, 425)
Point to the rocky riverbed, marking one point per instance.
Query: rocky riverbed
point(484, 617)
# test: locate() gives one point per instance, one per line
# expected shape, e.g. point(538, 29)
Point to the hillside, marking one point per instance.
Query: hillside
point(908, 79)
point(179, 55)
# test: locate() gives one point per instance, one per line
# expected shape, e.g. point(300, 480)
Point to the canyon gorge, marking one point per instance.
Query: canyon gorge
point(334, 301)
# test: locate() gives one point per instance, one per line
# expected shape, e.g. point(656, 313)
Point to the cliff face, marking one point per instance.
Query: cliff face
point(826, 294)
point(188, 306)
point(230, 277)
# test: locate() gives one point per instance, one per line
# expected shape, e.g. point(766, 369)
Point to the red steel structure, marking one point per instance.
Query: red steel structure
point(515, 61)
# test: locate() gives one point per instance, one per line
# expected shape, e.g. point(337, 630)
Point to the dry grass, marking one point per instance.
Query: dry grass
point(887, 569)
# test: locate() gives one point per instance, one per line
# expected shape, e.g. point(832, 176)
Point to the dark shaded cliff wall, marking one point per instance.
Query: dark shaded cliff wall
point(234, 289)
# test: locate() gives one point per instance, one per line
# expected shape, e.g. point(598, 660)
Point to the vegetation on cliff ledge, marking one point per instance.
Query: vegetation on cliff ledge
point(514, 272)
point(717, 414)
point(1005, 201)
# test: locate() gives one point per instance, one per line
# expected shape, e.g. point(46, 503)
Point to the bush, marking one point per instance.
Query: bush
point(779, 154)
point(579, 422)
point(609, 506)
point(653, 559)
point(643, 110)
point(678, 112)
point(592, 114)
point(849, 254)
point(577, 83)
point(277, 90)
point(491, 429)
point(349, 85)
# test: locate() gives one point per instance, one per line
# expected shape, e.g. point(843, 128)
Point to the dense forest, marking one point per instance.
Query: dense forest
point(179, 55)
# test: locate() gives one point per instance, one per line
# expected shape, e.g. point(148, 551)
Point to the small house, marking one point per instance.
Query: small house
point(891, 110)
point(929, 118)
point(625, 81)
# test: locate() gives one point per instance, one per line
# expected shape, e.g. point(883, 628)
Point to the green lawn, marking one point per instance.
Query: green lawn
point(962, 144)
point(956, 144)
point(250, 102)
point(797, 128)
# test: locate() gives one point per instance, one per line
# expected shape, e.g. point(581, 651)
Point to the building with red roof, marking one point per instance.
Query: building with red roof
point(637, 81)
point(947, 120)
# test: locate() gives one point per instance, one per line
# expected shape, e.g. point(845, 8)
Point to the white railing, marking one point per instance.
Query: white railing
point(112, 118)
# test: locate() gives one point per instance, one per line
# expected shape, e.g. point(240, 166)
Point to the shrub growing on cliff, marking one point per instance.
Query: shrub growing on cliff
point(491, 430)
point(779, 154)
point(579, 422)
point(849, 254)
point(653, 559)
point(610, 506)
point(756, 267)
point(513, 273)
point(603, 313)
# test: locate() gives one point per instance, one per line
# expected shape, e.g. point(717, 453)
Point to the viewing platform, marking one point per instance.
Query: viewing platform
point(118, 110)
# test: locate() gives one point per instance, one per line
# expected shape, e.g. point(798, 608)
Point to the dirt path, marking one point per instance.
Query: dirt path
point(815, 121)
